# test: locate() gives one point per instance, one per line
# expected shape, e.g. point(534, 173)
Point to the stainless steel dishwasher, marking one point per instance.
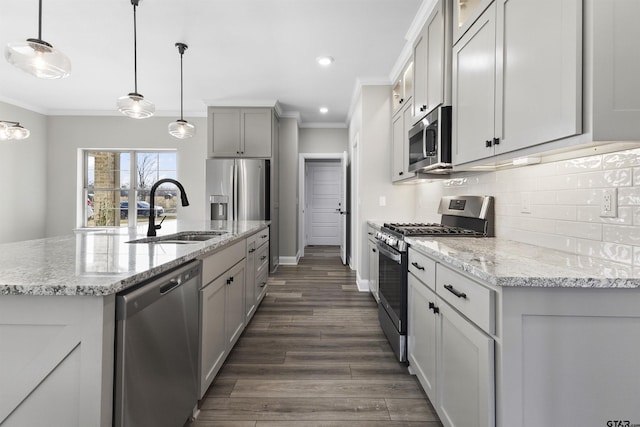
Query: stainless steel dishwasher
point(156, 381)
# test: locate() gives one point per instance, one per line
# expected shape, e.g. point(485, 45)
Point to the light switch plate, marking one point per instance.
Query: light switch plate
point(382, 201)
point(525, 202)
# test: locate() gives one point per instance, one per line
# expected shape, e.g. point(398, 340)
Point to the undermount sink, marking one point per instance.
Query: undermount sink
point(182, 238)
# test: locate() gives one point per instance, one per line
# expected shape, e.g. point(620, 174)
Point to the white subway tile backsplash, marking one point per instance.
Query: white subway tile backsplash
point(565, 199)
point(622, 159)
point(607, 250)
point(605, 178)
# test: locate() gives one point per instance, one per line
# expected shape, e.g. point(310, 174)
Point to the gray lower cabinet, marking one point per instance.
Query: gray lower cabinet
point(452, 357)
point(222, 314)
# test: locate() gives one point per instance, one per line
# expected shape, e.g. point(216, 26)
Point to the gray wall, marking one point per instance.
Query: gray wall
point(323, 140)
point(67, 135)
point(23, 174)
point(371, 122)
point(288, 150)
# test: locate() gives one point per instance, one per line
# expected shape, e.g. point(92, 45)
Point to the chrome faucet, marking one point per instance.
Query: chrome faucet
point(152, 208)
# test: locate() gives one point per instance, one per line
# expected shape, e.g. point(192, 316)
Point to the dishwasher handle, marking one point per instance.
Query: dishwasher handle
point(135, 299)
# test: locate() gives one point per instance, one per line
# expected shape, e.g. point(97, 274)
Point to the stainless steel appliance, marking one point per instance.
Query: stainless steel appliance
point(156, 375)
point(462, 216)
point(430, 143)
point(238, 189)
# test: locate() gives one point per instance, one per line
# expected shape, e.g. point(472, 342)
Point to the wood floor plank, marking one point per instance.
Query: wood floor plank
point(300, 408)
point(376, 388)
point(314, 356)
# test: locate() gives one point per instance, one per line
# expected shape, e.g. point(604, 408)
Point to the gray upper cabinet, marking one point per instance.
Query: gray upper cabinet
point(402, 89)
point(517, 83)
point(240, 132)
point(432, 61)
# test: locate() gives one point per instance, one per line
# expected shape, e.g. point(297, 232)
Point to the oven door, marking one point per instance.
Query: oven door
point(392, 285)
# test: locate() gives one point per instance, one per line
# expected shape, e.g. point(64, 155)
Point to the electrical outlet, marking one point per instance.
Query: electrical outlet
point(525, 203)
point(382, 201)
point(609, 203)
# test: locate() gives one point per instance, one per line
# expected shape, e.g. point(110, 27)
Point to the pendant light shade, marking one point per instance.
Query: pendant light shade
point(181, 128)
point(133, 104)
point(12, 130)
point(37, 57)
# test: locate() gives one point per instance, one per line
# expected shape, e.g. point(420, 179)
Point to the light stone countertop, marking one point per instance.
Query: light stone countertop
point(98, 262)
point(502, 262)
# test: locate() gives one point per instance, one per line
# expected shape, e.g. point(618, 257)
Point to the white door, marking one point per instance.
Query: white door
point(323, 203)
point(344, 214)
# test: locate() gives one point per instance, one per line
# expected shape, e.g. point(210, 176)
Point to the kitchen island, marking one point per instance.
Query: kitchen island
point(57, 315)
point(507, 334)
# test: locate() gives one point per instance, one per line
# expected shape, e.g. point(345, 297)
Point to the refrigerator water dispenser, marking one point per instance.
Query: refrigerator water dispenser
point(219, 206)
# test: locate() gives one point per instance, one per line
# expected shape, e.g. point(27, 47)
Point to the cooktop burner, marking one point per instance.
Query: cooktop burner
point(429, 229)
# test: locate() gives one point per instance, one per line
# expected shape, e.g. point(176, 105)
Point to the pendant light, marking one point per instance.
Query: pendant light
point(181, 128)
point(12, 130)
point(134, 105)
point(37, 57)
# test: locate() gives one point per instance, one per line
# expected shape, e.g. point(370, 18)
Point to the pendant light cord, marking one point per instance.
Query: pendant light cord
point(181, 89)
point(40, 20)
point(135, 48)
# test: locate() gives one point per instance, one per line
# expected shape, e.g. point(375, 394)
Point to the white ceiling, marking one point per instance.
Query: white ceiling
point(241, 52)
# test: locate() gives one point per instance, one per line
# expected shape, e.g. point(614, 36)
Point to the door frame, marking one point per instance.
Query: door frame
point(302, 159)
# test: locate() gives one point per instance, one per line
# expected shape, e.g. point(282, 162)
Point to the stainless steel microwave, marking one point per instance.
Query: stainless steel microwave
point(430, 143)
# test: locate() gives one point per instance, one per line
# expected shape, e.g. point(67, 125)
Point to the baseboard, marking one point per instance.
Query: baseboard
point(289, 260)
point(363, 284)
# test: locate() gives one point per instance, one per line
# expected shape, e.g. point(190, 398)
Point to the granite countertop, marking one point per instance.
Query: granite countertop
point(505, 263)
point(98, 262)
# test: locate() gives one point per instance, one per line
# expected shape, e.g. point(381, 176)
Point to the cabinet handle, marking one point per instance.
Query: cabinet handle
point(262, 258)
point(496, 141)
point(252, 250)
point(374, 251)
point(400, 173)
point(423, 108)
point(488, 143)
point(370, 234)
point(263, 284)
point(264, 236)
point(433, 307)
point(401, 101)
point(237, 152)
point(418, 266)
point(456, 293)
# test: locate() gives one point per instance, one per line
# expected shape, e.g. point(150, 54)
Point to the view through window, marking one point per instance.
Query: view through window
point(117, 187)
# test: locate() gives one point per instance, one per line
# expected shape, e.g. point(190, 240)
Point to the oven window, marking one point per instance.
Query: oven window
point(391, 278)
point(416, 148)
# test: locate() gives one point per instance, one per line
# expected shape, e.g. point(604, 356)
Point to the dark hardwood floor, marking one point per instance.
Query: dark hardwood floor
point(314, 355)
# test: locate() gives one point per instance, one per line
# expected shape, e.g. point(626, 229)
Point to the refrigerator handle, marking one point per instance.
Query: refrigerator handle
point(234, 191)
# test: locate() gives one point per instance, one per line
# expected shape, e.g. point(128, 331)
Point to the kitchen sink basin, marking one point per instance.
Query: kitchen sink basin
point(182, 238)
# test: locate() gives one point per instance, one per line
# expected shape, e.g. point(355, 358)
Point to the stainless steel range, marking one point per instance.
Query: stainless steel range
point(462, 216)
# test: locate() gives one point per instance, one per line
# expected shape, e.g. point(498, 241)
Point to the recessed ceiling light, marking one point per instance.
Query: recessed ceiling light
point(325, 61)
point(324, 110)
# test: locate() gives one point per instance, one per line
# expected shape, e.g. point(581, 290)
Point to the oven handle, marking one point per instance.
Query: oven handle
point(396, 257)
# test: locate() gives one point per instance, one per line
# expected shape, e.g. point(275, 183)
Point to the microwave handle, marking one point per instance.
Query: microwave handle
point(424, 142)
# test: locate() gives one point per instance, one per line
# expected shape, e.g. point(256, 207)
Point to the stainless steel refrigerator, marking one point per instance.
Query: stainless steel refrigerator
point(238, 189)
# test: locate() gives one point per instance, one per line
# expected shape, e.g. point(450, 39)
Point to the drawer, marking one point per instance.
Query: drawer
point(216, 264)
point(262, 236)
point(469, 297)
point(371, 233)
point(423, 267)
point(262, 259)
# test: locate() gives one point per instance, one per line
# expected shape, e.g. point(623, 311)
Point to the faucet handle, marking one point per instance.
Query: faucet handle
point(159, 226)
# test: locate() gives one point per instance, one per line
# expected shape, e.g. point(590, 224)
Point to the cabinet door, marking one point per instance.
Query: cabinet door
point(213, 341)
point(539, 72)
point(250, 279)
point(473, 89)
point(434, 31)
point(235, 314)
point(397, 148)
point(465, 383)
point(256, 132)
point(421, 339)
point(373, 270)
point(420, 76)
point(224, 134)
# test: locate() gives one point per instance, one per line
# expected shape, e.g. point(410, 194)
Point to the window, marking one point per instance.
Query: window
point(117, 186)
